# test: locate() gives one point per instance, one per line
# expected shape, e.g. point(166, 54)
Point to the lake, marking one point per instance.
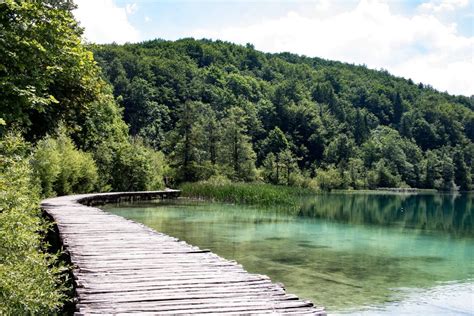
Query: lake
point(376, 253)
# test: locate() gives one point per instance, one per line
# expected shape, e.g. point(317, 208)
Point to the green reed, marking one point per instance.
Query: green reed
point(246, 193)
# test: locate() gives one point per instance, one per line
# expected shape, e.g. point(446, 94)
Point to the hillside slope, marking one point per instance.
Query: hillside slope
point(219, 108)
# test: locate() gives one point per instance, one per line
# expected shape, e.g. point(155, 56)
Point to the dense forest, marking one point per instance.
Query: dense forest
point(78, 118)
point(219, 109)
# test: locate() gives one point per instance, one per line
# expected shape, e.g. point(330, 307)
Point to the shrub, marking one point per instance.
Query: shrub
point(218, 180)
point(63, 169)
point(329, 179)
point(382, 176)
point(30, 279)
point(130, 166)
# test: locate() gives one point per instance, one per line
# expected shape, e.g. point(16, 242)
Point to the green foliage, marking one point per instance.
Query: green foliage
point(282, 168)
point(329, 179)
point(340, 150)
point(271, 169)
point(219, 108)
point(101, 123)
point(275, 142)
point(47, 165)
point(63, 169)
point(48, 79)
point(289, 164)
point(462, 174)
point(356, 173)
point(382, 176)
point(31, 281)
point(188, 141)
point(238, 156)
point(130, 166)
point(47, 76)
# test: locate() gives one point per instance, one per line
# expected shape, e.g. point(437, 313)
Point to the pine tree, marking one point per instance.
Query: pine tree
point(237, 151)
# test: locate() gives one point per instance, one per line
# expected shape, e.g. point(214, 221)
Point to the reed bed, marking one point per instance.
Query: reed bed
point(246, 193)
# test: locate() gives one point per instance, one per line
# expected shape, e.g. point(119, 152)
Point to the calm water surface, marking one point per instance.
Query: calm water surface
point(351, 252)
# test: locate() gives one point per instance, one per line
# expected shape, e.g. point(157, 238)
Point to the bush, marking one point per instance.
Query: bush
point(329, 179)
point(218, 180)
point(30, 279)
point(63, 169)
point(382, 176)
point(130, 166)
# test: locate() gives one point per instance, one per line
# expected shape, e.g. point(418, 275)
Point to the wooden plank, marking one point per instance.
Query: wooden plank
point(124, 267)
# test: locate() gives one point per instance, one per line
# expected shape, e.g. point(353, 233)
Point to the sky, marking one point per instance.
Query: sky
point(429, 41)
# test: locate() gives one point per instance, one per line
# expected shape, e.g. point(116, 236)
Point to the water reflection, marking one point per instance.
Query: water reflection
point(346, 251)
point(449, 213)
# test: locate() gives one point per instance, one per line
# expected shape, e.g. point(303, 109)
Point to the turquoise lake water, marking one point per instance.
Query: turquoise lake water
point(354, 253)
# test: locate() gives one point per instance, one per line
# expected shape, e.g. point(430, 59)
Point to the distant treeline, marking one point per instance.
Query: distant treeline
point(216, 108)
point(140, 116)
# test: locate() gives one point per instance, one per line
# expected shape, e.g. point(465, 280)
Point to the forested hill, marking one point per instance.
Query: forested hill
point(218, 108)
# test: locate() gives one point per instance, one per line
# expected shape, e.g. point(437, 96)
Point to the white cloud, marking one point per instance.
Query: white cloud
point(147, 19)
point(131, 8)
point(105, 22)
point(420, 47)
point(441, 6)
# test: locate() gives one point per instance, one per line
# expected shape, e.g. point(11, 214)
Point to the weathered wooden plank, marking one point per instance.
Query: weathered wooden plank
point(124, 267)
point(209, 304)
point(163, 295)
point(223, 309)
point(177, 278)
point(151, 304)
point(176, 288)
point(299, 311)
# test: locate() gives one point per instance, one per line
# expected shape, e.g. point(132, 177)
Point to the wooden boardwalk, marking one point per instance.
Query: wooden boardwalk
point(123, 267)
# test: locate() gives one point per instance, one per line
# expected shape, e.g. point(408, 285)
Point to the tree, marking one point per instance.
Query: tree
point(156, 125)
point(211, 130)
point(187, 139)
point(101, 123)
point(136, 167)
point(327, 113)
point(385, 177)
point(237, 151)
point(432, 170)
point(424, 134)
point(447, 175)
point(289, 163)
point(324, 93)
point(275, 142)
point(329, 179)
point(398, 108)
point(357, 173)
point(46, 75)
point(462, 174)
point(401, 157)
point(271, 169)
point(139, 104)
point(361, 130)
point(340, 150)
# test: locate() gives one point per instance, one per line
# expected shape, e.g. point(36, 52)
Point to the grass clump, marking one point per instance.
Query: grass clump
point(31, 280)
point(245, 193)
